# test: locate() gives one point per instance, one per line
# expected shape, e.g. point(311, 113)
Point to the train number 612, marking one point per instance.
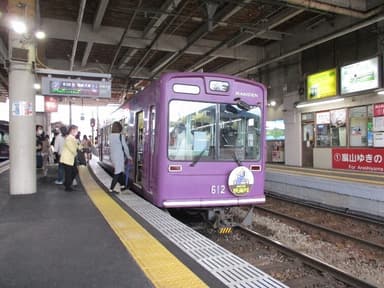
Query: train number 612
point(217, 189)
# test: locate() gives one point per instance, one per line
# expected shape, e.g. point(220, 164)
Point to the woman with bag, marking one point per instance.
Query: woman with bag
point(68, 157)
point(119, 151)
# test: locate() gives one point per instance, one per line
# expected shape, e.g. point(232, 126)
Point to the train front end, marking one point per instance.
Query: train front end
point(215, 145)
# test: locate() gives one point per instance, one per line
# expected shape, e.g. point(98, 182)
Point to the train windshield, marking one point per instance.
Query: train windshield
point(200, 131)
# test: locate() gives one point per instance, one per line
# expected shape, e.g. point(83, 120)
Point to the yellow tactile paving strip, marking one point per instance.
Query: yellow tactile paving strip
point(159, 265)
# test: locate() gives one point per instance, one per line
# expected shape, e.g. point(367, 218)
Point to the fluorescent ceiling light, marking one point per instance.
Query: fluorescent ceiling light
point(380, 92)
point(18, 26)
point(309, 104)
point(40, 34)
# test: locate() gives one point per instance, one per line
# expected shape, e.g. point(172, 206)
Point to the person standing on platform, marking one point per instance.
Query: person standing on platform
point(45, 149)
point(58, 149)
point(119, 152)
point(68, 157)
point(86, 143)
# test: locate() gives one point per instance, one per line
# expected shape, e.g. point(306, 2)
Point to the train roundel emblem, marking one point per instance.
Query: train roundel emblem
point(240, 181)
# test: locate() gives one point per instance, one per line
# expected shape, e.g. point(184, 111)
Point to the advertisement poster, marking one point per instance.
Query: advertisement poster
point(321, 85)
point(365, 159)
point(358, 131)
point(378, 109)
point(338, 117)
point(363, 75)
point(50, 104)
point(323, 118)
point(22, 108)
point(275, 130)
point(378, 124)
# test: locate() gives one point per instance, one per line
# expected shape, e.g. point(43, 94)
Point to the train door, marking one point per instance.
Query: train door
point(308, 126)
point(151, 167)
point(139, 148)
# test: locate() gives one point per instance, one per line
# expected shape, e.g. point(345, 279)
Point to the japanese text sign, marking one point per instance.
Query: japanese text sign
point(364, 159)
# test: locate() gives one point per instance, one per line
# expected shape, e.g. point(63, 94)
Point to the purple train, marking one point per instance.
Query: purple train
point(198, 140)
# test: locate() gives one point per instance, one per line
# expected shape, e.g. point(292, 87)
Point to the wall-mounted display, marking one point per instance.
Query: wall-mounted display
point(275, 130)
point(360, 76)
point(321, 85)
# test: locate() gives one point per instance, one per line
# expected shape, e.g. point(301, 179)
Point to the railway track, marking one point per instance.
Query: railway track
point(293, 268)
point(314, 270)
point(360, 230)
point(352, 244)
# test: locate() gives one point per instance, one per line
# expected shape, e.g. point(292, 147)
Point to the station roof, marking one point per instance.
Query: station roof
point(138, 40)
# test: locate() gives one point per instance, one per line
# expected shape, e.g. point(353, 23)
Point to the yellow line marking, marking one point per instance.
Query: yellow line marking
point(158, 264)
point(345, 179)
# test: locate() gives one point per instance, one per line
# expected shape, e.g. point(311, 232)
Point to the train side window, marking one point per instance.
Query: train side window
point(153, 128)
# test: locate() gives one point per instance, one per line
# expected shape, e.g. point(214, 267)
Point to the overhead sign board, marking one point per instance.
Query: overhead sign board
point(322, 84)
point(76, 88)
point(360, 76)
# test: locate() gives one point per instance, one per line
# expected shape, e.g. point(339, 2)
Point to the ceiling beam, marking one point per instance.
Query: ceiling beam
point(204, 29)
point(168, 6)
point(100, 14)
point(96, 27)
point(239, 39)
point(335, 9)
point(59, 29)
point(77, 35)
point(62, 64)
point(87, 51)
point(294, 46)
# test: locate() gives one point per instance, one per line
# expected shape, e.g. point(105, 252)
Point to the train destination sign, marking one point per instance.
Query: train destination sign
point(76, 88)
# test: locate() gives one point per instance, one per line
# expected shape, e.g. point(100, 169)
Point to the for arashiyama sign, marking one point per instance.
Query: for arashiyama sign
point(371, 160)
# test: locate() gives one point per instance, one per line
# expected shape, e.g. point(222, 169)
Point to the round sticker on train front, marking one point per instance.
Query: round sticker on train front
point(240, 181)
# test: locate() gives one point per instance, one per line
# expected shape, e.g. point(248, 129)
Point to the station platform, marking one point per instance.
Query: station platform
point(88, 238)
point(353, 191)
point(58, 239)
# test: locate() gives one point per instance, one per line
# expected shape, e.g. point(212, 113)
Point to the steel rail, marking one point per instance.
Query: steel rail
point(310, 261)
point(340, 212)
point(320, 227)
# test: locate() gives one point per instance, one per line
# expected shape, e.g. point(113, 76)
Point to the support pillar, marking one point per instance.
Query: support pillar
point(22, 116)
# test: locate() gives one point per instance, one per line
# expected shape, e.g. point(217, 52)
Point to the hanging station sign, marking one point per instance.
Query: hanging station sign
point(322, 84)
point(76, 87)
point(360, 76)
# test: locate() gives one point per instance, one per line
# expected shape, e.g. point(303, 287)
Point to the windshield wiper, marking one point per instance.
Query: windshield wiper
point(237, 160)
point(198, 157)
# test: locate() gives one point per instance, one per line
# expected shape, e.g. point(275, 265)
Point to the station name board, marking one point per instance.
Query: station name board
point(363, 159)
point(76, 88)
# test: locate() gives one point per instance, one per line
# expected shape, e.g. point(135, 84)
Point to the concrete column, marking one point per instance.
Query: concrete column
point(293, 154)
point(22, 133)
point(22, 116)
